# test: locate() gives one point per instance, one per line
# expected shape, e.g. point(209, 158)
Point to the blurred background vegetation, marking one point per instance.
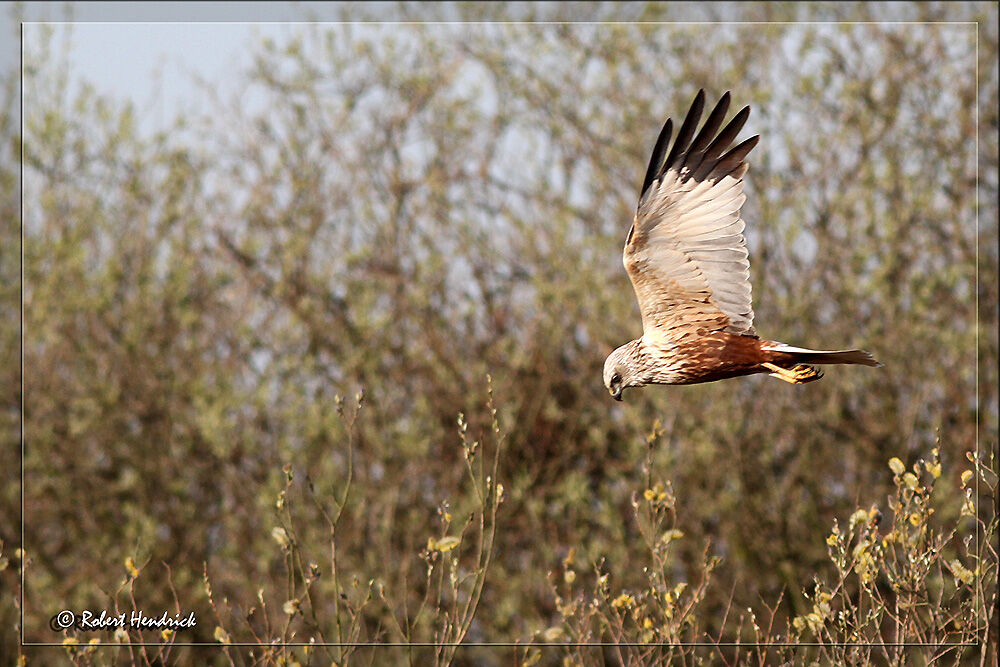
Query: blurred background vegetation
point(415, 208)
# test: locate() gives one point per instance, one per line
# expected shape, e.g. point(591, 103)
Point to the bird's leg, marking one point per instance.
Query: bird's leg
point(799, 374)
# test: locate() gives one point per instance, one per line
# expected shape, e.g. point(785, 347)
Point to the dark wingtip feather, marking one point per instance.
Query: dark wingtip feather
point(733, 158)
point(687, 130)
point(728, 135)
point(656, 159)
point(721, 144)
point(710, 127)
point(706, 153)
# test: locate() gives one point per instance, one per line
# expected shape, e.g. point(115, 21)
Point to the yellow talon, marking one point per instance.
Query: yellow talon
point(799, 374)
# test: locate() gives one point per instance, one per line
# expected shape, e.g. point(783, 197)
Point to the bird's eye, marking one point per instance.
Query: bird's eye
point(616, 379)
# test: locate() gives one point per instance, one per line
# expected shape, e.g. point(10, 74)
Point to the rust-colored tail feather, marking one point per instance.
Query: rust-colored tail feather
point(804, 356)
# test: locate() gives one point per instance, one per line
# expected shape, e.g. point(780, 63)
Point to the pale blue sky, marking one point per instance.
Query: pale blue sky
point(152, 53)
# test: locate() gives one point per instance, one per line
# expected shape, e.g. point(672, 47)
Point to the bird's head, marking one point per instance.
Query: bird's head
point(619, 370)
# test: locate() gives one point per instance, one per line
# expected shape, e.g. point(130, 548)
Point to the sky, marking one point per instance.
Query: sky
point(151, 53)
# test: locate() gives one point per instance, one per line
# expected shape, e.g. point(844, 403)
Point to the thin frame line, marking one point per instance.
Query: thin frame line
point(532, 23)
point(478, 23)
point(487, 644)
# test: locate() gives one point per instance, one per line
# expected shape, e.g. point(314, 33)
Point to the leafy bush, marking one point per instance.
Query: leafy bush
point(900, 595)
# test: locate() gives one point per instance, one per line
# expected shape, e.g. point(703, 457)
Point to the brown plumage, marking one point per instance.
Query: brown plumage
point(686, 257)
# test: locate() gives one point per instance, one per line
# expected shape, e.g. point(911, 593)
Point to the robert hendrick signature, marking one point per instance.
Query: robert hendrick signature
point(87, 620)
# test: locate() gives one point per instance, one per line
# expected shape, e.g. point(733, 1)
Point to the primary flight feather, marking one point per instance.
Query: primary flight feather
point(688, 263)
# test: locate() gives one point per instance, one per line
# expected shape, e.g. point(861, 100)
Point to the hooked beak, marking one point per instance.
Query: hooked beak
point(617, 395)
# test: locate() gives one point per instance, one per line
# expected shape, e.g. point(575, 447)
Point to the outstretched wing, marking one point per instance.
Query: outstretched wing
point(685, 254)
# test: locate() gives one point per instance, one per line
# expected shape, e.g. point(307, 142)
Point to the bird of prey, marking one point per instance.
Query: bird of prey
point(687, 260)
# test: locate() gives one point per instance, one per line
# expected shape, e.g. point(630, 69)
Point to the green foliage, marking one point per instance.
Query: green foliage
point(656, 624)
point(409, 209)
point(901, 594)
point(909, 585)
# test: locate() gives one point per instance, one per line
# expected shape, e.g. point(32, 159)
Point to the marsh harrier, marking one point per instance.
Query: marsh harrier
point(687, 260)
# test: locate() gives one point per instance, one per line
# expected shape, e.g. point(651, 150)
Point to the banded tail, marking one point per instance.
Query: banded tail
point(791, 364)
